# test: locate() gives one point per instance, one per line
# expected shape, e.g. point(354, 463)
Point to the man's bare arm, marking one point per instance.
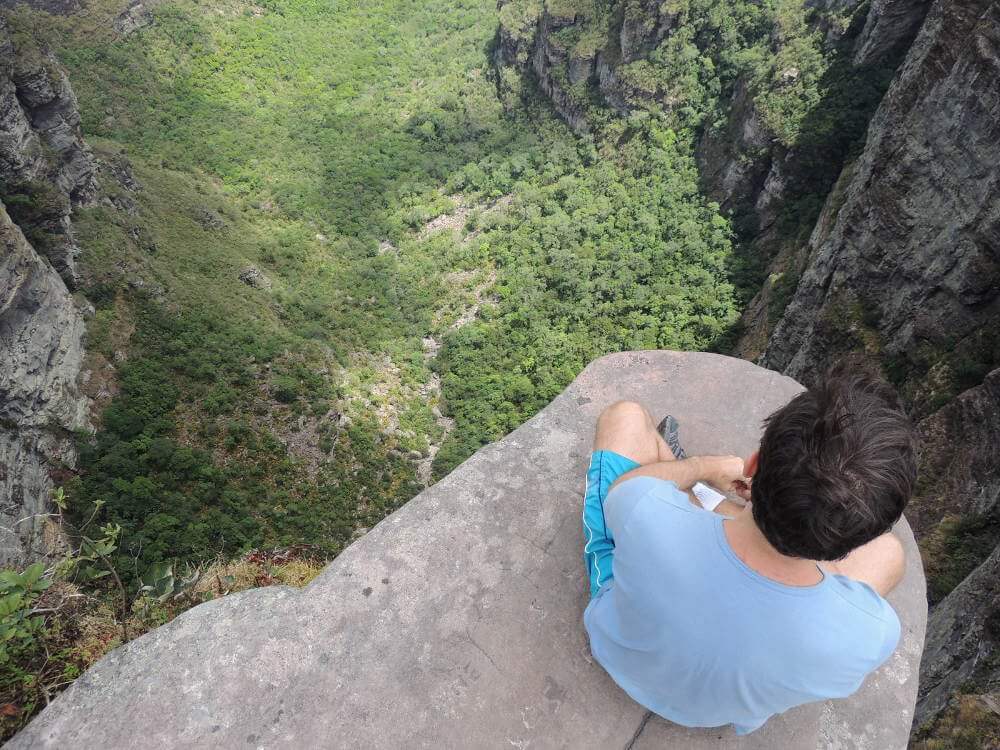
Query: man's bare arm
point(718, 471)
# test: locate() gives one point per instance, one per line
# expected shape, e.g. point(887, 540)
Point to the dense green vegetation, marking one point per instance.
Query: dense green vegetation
point(315, 141)
point(619, 252)
point(784, 68)
point(319, 143)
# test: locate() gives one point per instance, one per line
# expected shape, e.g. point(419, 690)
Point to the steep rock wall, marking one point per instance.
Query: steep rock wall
point(961, 455)
point(574, 55)
point(918, 235)
point(41, 334)
point(45, 166)
point(889, 28)
point(45, 169)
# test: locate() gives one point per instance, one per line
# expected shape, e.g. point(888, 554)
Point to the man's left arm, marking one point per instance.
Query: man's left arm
point(722, 472)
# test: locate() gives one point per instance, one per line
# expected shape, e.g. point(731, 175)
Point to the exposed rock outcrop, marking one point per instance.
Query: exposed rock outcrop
point(960, 466)
point(963, 637)
point(960, 479)
point(41, 335)
point(462, 612)
point(575, 55)
point(45, 169)
point(530, 41)
point(735, 161)
point(135, 16)
point(253, 276)
point(890, 27)
point(45, 166)
point(917, 240)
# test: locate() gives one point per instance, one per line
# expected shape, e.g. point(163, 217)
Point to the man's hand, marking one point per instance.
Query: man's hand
point(726, 473)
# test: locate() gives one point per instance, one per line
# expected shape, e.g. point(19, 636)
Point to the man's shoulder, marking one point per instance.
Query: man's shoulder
point(862, 597)
point(871, 619)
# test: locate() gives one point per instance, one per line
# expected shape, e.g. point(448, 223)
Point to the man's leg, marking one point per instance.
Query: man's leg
point(626, 428)
point(625, 439)
point(880, 563)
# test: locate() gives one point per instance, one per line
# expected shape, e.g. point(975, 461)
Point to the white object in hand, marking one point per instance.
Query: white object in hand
point(708, 497)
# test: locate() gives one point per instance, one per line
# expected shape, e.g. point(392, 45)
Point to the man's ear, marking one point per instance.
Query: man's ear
point(750, 465)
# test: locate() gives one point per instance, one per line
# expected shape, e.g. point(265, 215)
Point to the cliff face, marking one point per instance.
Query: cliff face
point(41, 333)
point(961, 458)
point(917, 240)
point(574, 53)
point(45, 169)
point(45, 166)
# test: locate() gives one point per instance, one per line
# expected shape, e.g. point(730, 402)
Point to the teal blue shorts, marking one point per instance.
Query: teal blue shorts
point(605, 468)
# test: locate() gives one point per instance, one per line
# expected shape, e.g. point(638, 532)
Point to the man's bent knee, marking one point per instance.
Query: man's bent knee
point(895, 557)
point(880, 563)
point(625, 410)
point(625, 428)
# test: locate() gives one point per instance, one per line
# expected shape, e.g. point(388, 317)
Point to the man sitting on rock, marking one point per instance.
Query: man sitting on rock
point(731, 617)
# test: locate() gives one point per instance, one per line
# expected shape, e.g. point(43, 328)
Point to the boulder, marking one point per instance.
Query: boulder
point(457, 621)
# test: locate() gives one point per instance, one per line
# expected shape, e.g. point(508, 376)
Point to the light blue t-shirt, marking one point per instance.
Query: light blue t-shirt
point(692, 633)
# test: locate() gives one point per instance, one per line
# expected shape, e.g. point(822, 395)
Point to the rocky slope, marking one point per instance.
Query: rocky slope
point(916, 240)
point(45, 169)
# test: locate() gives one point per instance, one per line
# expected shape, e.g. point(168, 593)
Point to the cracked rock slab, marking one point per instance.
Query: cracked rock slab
point(457, 621)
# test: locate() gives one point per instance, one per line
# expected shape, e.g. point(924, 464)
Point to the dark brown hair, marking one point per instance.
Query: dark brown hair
point(837, 466)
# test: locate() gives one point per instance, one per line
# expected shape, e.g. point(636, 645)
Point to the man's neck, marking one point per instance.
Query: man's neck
point(752, 547)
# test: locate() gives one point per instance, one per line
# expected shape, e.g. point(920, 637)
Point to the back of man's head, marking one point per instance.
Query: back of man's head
point(836, 468)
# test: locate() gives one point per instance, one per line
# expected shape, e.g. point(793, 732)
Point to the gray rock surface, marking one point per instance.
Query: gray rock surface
point(41, 335)
point(565, 73)
point(253, 276)
point(890, 25)
point(963, 636)
point(457, 621)
point(914, 252)
point(45, 170)
point(960, 473)
point(43, 158)
point(135, 16)
point(645, 23)
point(960, 463)
point(547, 59)
point(735, 162)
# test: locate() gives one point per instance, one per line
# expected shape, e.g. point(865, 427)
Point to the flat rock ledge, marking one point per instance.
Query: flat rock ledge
point(457, 621)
